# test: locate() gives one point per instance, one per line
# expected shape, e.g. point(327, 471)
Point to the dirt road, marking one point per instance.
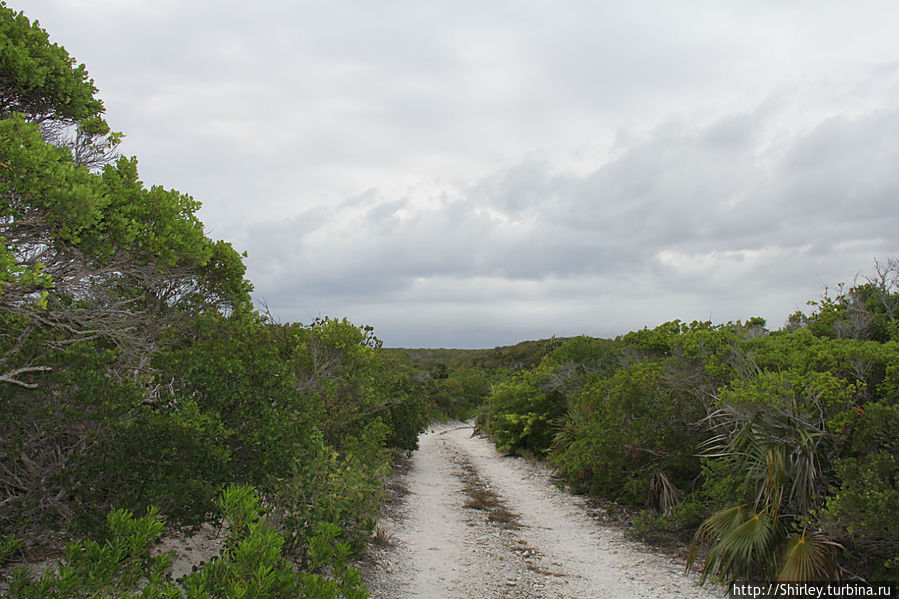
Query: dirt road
point(471, 523)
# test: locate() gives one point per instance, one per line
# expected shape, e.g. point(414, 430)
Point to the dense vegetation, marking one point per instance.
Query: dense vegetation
point(456, 382)
point(140, 389)
point(775, 452)
point(135, 374)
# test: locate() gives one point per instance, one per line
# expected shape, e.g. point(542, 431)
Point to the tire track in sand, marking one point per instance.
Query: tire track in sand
point(550, 548)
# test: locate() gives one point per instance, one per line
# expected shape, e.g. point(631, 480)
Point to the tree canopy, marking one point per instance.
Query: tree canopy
point(135, 372)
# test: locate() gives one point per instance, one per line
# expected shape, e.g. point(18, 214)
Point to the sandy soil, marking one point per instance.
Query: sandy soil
point(191, 551)
point(472, 523)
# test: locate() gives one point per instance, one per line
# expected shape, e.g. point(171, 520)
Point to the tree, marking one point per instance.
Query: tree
point(40, 79)
point(97, 272)
point(99, 255)
point(43, 84)
point(86, 253)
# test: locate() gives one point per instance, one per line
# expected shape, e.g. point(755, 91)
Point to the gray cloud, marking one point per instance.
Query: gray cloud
point(469, 175)
point(688, 221)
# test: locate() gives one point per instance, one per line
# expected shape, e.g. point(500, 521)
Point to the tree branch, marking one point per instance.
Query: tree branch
point(10, 377)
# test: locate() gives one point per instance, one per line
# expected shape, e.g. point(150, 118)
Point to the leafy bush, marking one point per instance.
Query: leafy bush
point(407, 418)
point(520, 417)
point(459, 394)
point(46, 429)
point(865, 495)
point(525, 412)
point(327, 487)
point(121, 566)
point(251, 564)
point(176, 460)
point(629, 438)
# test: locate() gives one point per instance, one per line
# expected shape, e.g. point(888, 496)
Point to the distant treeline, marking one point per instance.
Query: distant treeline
point(441, 362)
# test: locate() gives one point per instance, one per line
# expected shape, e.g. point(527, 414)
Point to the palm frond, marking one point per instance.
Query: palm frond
point(710, 532)
point(778, 451)
point(742, 544)
point(809, 557)
point(805, 467)
point(663, 491)
point(776, 474)
point(567, 431)
point(749, 548)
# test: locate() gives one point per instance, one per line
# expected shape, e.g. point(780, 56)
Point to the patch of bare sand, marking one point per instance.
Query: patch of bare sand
point(191, 550)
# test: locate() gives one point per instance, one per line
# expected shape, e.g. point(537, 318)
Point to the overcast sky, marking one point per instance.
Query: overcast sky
point(472, 174)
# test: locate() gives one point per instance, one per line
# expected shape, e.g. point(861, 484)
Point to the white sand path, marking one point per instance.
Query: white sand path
point(554, 549)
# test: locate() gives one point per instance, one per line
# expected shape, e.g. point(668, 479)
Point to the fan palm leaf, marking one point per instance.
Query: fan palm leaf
point(749, 548)
point(741, 543)
point(808, 557)
point(782, 452)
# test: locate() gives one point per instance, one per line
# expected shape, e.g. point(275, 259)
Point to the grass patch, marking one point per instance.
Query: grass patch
point(382, 538)
point(481, 498)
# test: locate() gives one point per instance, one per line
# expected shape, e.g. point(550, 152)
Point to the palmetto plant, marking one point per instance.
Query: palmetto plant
point(782, 454)
point(742, 543)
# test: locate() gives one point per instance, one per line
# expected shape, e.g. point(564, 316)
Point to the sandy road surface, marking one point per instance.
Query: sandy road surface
point(475, 524)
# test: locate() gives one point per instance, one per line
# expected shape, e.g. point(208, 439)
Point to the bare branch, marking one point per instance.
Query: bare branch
point(10, 377)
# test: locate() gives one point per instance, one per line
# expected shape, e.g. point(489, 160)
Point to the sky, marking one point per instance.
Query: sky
point(473, 174)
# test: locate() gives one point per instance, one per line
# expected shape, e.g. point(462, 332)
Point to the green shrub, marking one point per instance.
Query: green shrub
point(408, 417)
point(673, 527)
point(865, 496)
point(459, 394)
point(520, 417)
point(119, 567)
point(628, 438)
point(8, 545)
point(251, 565)
point(326, 487)
point(176, 460)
